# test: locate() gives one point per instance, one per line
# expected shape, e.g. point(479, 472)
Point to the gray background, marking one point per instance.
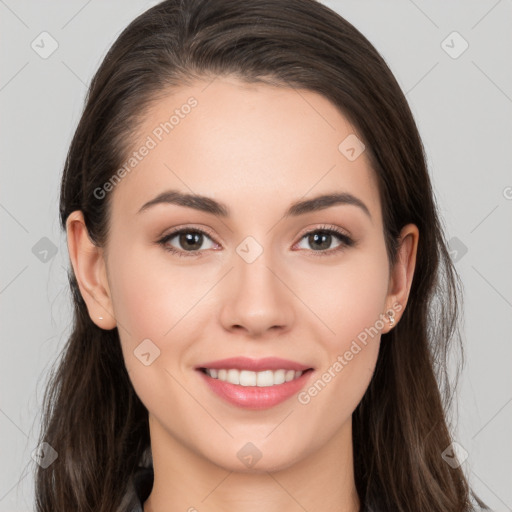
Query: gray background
point(463, 108)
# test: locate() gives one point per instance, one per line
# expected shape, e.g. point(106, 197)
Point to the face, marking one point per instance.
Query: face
point(255, 280)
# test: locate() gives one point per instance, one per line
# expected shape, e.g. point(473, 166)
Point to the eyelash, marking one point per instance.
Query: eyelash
point(345, 240)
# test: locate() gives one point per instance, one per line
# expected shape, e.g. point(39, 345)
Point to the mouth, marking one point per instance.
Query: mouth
point(263, 379)
point(255, 384)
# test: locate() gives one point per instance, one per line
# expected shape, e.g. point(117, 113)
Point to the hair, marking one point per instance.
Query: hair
point(92, 416)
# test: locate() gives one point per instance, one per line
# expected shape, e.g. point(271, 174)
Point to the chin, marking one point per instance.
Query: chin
point(261, 462)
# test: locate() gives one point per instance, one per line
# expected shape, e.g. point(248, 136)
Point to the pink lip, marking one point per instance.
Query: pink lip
point(255, 365)
point(255, 397)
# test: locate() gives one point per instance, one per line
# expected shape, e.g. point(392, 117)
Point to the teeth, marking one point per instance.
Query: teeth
point(247, 378)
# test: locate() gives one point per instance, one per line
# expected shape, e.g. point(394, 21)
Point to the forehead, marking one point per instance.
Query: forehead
point(241, 144)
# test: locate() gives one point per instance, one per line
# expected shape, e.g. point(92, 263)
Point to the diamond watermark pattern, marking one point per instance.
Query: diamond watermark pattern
point(454, 45)
point(146, 352)
point(457, 249)
point(249, 249)
point(454, 455)
point(351, 147)
point(44, 250)
point(249, 455)
point(44, 45)
point(44, 455)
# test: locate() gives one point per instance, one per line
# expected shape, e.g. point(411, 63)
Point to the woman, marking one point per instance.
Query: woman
point(263, 296)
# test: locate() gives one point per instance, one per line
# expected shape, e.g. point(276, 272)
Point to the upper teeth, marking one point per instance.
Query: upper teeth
point(248, 378)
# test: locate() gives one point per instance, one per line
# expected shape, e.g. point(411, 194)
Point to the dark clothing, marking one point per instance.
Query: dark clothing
point(138, 491)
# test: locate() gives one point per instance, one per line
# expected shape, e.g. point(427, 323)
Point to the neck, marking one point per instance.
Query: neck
point(186, 480)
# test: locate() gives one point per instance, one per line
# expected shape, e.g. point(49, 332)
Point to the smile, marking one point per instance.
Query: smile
point(241, 389)
point(264, 378)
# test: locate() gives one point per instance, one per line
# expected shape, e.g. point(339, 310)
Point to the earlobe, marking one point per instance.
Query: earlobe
point(403, 271)
point(89, 268)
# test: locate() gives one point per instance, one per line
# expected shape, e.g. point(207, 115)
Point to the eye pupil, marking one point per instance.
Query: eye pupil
point(314, 239)
point(191, 240)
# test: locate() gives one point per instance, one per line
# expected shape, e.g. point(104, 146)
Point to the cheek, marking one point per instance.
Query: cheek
point(351, 305)
point(163, 302)
point(157, 302)
point(347, 298)
point(152, 295)
point(137, 298)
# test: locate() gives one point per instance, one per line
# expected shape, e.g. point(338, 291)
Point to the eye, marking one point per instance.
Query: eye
point(190, 240)
point(322, 237)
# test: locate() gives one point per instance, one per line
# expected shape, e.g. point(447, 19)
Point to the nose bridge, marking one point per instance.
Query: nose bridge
point(255, 298)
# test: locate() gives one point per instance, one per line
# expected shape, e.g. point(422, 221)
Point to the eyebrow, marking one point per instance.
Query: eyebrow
point(209, 205)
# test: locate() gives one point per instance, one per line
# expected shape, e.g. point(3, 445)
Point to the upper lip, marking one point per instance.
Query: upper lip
point(255, 365)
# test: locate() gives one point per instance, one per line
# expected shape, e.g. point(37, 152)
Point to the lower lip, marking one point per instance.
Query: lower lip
point(255, 397)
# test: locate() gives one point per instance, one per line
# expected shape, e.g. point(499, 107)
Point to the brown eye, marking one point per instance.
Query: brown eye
point(187, 241)
point(321, 240)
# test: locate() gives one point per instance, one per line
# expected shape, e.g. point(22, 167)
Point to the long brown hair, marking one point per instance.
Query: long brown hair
point(92, 416)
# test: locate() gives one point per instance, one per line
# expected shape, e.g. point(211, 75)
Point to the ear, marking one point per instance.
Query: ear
point(400, 280)
point(90, 271)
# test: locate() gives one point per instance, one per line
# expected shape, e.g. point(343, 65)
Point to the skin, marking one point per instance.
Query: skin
point(257, 148)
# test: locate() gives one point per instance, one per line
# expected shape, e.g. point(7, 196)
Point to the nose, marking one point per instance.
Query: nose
point(256, 299)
